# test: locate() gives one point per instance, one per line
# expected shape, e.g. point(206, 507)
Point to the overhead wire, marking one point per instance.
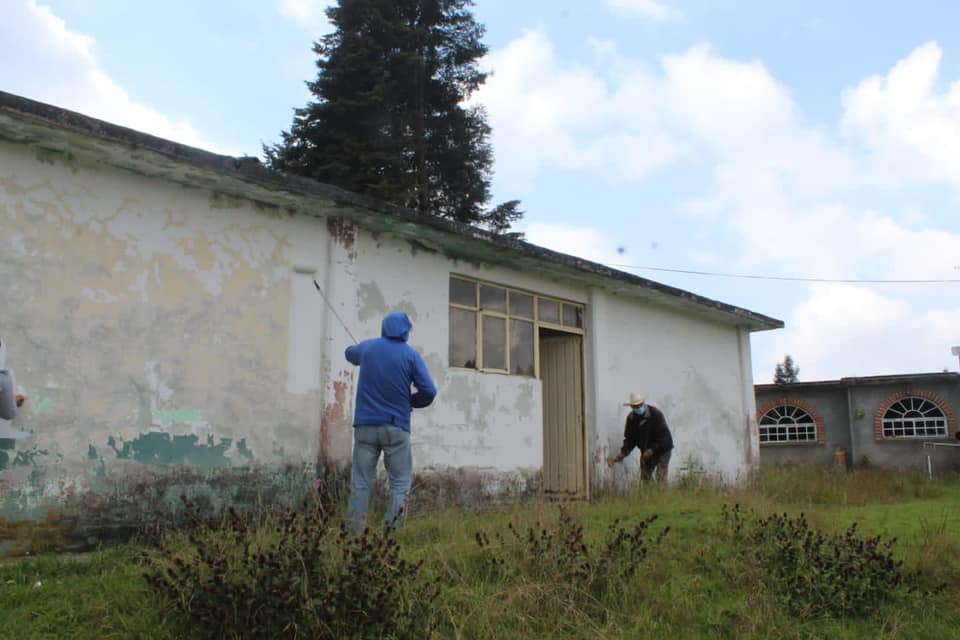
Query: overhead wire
point(753, 276)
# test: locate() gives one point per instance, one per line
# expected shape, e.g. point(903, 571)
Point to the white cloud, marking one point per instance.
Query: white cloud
point(790, 194)
point(941, 327)
point(910, 253)
point(912, 128)
point(585, 242)
point(843, 316)
point(725, 102)
point(310, 14)
point(45, 60)
point(618, 118)
point(545, 115)
point(847, 330)
point(648, 8)
point(749, 123)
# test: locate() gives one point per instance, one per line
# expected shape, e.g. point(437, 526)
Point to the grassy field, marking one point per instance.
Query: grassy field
point(700, 577)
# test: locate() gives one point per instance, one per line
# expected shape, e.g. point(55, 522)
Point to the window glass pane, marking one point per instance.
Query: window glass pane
point(521, 347)
point(494, 342)
point(521, 305)
point(463, 338)
point(463, 292)
point(493, 298)
point(572, 316)
point(549, 311)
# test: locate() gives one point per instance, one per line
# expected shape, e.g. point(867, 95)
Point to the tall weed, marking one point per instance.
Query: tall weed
point(562, 559)
point(816, 574)
point(291, 573)
point(819, 485)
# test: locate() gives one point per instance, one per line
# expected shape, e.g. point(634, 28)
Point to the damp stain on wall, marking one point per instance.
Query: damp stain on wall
point(79, 517)
point(342, 231)
point(372, 303)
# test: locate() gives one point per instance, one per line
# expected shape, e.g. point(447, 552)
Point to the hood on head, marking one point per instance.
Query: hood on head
point(397, 326)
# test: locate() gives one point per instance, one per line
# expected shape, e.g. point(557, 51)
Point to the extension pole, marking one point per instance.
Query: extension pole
point(336, 315)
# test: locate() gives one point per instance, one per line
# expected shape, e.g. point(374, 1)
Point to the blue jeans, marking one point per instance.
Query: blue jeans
point(368, 442)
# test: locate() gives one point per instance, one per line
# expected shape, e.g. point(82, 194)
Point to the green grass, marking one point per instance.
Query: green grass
point(694, 585)
point(92, 595)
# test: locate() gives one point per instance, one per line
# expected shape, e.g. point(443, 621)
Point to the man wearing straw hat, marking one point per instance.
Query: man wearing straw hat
point(646, 429)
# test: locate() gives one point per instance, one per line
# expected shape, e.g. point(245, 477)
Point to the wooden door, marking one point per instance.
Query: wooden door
point(561, 371)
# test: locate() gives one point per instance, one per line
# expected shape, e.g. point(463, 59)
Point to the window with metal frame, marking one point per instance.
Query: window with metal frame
point(914, 417)
point(494, 327)
point(787, 424)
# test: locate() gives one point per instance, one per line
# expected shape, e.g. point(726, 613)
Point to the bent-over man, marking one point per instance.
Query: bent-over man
point(646, 429)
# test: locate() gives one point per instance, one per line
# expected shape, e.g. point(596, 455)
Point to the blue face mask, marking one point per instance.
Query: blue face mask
point(641, 410)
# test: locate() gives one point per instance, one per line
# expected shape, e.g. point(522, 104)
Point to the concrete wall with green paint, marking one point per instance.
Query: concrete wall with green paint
point(148, 324)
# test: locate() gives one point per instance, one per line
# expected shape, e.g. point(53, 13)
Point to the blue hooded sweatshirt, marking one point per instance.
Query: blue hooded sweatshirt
point(388, 368)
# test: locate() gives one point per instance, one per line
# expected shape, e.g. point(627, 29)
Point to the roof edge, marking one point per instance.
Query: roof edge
point(853, 381)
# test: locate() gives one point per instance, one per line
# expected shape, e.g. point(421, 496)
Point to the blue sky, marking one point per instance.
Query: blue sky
point(798, 139)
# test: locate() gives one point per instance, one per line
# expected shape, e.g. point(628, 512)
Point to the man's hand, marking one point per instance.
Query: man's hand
point(616, 458)
point(647, 454)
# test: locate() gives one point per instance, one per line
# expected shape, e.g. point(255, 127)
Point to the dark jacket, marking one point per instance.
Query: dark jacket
point(649, 431)
point(388, 368)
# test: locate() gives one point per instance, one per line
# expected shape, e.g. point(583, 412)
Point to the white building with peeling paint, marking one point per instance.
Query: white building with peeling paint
point(160, 312)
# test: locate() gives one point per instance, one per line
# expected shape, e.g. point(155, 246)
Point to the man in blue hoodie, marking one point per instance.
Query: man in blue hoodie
point(393, 382)
point(10, 398)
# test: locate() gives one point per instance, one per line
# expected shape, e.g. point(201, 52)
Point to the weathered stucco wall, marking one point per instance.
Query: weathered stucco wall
point(477, 419)
point(171, 341)
point(694, 370)
point(149, 326)
point(482, 421)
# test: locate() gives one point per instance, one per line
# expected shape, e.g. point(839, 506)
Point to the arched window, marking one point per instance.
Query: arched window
point(914, 417)
point(787, 423)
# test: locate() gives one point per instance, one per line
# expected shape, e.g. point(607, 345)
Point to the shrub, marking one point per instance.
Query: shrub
point(290, 573)
point(559, 555)
point(816, 574)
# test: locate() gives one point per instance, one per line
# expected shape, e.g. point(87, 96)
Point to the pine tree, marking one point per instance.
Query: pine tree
point(389, 119)
point(786, 372)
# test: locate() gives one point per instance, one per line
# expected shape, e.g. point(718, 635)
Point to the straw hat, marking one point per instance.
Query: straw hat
point(636, 399)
